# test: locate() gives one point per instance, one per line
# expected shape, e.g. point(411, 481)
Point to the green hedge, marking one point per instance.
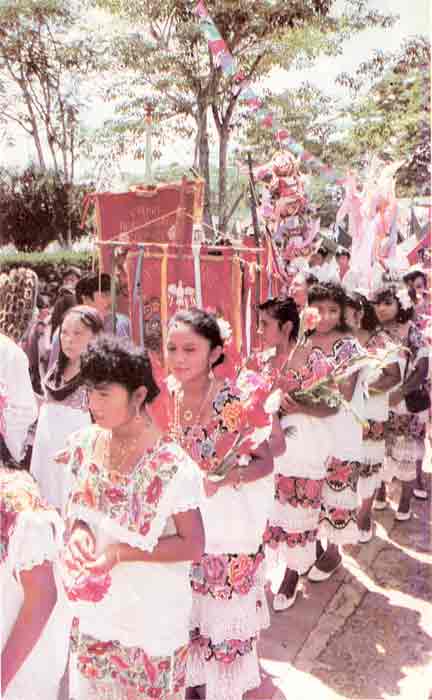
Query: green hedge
point(49, 267)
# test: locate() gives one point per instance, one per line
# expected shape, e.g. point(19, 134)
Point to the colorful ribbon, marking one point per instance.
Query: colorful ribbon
point(246, 94)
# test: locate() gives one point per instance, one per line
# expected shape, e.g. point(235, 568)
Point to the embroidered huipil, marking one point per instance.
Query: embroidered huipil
point(229, 605)
point(405, 431)
point(138, 604)
point(292, 530)
point(376, 416)
point(30, 534)
point(338, 521)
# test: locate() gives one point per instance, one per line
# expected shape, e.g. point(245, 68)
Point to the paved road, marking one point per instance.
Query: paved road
point(366, 633)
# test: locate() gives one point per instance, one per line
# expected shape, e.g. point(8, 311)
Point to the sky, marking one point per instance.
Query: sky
point(414, 19)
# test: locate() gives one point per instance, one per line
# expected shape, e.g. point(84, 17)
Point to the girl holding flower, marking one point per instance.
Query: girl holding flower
point(405, 433)
point(134, 528)
point(221, 422)
point(326, 356)
point(363, 322)
point(300, 467)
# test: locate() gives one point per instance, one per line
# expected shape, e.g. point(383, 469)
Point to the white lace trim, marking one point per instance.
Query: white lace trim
point(181, 495)
point(406, 449)
point(37, 538)
point(297, 558)
point(224, 681)
point(238, 618)
point(343, 499)
point(349, 535)
point(294, 519)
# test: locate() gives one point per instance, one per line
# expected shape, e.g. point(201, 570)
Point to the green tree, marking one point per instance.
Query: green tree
point(37, 207)
point(169, 55)
point(390, 113)
point(44, 54)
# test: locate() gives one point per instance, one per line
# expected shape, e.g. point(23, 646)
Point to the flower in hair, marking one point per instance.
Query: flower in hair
point(404, 299)
point(224, 329)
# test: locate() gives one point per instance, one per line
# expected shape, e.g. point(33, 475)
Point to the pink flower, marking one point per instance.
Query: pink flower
point(154, 491)
point(115, 495)
point(285, 487)
point(215, 569)
point(240, 573)
point(91, 588)
point(313, 489)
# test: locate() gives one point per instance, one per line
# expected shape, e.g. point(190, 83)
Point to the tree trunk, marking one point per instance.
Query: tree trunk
point(222, 198)
point(204, 161)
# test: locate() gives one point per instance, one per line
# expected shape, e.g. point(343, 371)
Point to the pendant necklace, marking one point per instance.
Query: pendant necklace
point(188, 413)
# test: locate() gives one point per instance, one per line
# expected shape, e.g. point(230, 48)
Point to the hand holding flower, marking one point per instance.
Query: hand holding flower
point(81, 543)
point(104, 562)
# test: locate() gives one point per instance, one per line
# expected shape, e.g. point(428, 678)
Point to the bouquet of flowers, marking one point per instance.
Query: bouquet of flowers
point(253, 423)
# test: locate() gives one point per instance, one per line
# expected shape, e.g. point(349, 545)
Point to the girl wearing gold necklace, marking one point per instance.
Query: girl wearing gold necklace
point(229, 607)
point(134, 529)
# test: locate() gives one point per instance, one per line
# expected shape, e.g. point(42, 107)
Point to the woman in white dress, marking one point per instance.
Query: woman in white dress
point(405, 430)
point(209, 414)
point(34, 629)
point(134, 527)
point(65, 407)
point(362, 320)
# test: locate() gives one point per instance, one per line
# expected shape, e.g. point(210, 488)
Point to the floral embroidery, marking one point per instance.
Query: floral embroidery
point(368, 470)
point(132, 499)
point(342, 474)
point(339, 518)
point(374, 430)
point(18, 492)
point(225, 652)
point(238, 409)
point(220, 576)
point(406, 425)
point(131, 667)
point(299, 493)
point(275, 536)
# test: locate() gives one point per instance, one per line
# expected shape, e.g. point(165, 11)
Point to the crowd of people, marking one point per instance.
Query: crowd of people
point(152, 518)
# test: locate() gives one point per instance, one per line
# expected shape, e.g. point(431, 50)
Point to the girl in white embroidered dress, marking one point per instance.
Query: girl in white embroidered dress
point(33, 628)
point(330, 346)
point(208, 411)
point(405, 431)
point(65, 408)
point(133, 529)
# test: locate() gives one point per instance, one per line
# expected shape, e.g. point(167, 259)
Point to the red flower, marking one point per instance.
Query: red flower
point(115, 495)
point(144, 528)
point(154, 491)
point(91, 588)
point(240, 573)
point(215, 569)
point(154, 692)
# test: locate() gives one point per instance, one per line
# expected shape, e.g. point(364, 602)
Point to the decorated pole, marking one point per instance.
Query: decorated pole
point(148, 153)
point(253, 206)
